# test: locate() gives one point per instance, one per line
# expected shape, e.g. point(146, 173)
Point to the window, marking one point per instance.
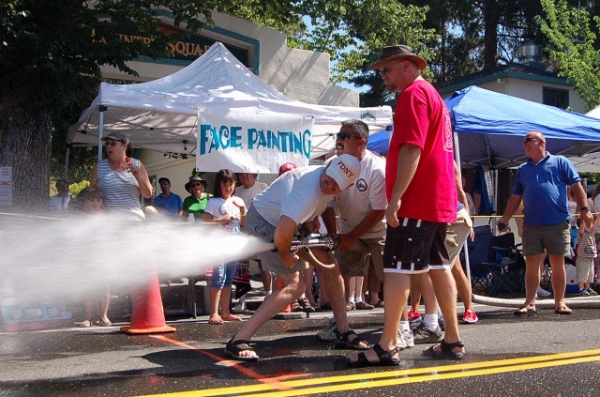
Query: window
point(555, 97)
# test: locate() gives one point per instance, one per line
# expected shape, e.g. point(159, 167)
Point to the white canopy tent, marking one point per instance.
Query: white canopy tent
point(589, 162)
point(163, 114)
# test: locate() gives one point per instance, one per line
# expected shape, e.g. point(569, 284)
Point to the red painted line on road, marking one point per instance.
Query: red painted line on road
point(272, 381)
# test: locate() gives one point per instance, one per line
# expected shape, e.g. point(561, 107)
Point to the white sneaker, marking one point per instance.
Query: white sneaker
point(542, 293)
point(406, 339)
point(239, 307)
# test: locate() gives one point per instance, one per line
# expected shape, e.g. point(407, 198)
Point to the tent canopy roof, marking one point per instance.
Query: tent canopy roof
point(491, 127)
point(162, 115)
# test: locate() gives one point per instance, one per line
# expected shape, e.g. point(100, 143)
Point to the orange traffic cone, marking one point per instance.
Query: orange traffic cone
point(147, 316)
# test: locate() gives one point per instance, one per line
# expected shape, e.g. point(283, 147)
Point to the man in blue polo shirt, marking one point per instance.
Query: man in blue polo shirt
point(542, 185)
point(166, 202)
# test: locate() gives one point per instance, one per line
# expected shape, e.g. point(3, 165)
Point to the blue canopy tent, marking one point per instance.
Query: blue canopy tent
point(491, 126)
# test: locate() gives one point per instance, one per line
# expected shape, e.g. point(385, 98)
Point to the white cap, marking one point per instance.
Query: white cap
point(344, 170)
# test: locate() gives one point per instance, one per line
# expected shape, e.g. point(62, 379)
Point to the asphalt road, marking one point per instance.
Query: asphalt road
point(546, 355)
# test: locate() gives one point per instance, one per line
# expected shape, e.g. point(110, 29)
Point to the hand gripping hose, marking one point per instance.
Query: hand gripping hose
point(315, 241)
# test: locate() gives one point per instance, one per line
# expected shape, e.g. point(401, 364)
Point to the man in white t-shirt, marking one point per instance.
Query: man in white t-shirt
point(362, 224)
point(296, 198)
point(361, 207)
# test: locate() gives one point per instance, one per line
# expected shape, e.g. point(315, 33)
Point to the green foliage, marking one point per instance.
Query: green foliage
point(572, 47)
point(74, 188)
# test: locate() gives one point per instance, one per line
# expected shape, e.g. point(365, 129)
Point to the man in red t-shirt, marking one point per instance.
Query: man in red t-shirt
point(422, 197)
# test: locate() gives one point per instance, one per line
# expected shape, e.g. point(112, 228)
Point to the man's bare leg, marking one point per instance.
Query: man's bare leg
point(559, 280)
point(532, 279)
point(398, 286)
point(273, 304)
point(334, 285)
point(445, 292)
point(463, 288)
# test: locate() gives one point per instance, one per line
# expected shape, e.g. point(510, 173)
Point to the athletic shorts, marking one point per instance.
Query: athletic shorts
point(456, 235)
point(556, 239)
point(256, 225)
point(354, 261)
point(415, 246)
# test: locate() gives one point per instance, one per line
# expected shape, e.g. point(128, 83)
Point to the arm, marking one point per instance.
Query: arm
point(365, 225)
point(94, 181)
point(581, 197)
point(329, 220)
point(513, 204)
point(596, 222)
point(141, 175)
point(206, 217)
point(462, 196)
point(519, 219)
point(284, 233)
point(407, 167)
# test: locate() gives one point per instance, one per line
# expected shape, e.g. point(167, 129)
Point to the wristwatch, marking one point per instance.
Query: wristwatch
point(584, 208)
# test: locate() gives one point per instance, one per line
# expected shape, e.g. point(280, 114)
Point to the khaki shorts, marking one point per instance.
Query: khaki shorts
point(456, 235)
point(258, 226)
point(556, 239)
point(354, 261)
point(585, 270)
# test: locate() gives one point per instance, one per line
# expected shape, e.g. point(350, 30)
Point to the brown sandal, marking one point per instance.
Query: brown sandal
point(446, 351)
point(343, 341)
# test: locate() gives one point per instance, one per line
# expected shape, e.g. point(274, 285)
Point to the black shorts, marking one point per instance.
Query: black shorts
point(415, 246)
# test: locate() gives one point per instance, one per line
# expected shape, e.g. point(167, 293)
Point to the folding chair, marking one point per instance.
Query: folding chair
point(479, 251)
point(507, 266)
point(496, 264)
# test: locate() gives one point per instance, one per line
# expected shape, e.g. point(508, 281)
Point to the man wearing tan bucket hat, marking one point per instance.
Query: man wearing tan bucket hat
point(422, 197)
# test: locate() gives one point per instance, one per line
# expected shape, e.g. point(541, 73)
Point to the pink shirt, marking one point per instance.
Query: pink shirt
point(422, 119)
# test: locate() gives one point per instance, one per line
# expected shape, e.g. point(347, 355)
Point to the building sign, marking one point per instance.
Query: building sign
point(189, 47)
point(5, 186)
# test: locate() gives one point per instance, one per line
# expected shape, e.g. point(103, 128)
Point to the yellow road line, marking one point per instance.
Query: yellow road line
point(395, 377)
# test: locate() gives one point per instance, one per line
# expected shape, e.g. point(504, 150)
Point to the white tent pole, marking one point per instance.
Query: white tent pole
point(101, 110)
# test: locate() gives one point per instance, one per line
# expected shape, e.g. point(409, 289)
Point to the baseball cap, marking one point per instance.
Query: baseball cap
point(285, 167)
point(344, 170)
point(116, 136)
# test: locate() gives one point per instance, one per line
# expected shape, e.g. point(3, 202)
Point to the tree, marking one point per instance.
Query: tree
point(50, 57)
point(51, 52)
point(573, 47)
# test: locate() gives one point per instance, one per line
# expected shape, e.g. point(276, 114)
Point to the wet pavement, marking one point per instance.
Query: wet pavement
point(543, 355)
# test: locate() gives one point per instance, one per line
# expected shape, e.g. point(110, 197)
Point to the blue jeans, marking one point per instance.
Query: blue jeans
point(223, 275)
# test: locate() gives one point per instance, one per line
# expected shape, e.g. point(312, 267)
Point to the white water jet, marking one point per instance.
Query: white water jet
point(47, 259)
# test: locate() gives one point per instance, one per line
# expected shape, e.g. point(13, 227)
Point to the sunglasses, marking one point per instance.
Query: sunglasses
point(529, 139)
point(196, 184)
point(165, 183)
point(344, 136)
point(384, 71)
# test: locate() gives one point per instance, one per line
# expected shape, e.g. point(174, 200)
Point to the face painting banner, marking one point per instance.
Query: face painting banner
point(252, 140)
